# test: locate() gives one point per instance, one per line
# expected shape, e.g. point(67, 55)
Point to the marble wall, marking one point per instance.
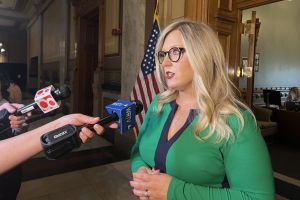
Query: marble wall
point(133, 43)
point(133, 46)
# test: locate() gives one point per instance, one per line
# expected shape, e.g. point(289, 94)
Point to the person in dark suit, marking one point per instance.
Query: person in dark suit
point(10, 182)
point(292, 102)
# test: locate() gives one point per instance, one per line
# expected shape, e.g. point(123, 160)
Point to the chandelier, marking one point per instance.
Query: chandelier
point(2, 50)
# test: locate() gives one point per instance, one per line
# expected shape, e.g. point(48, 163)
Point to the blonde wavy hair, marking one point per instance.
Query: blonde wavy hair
point(214, 91)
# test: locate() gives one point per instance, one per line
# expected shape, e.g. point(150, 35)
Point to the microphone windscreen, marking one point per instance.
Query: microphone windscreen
point(138, 106)
point(61, 93)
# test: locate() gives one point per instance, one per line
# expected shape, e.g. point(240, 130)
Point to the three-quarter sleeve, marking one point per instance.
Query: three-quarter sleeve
point(136, 159)
point(248, 170)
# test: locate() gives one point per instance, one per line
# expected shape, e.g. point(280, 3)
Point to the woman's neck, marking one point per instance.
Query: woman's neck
point(187, 99)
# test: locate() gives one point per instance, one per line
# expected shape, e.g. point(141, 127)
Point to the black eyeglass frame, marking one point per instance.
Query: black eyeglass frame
point(180, 50)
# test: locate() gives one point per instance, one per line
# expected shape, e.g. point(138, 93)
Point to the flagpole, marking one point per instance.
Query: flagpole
point(146, 86)
point(156, 13)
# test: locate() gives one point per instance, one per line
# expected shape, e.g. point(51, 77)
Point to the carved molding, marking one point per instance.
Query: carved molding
point(245, 4)
point(84, 7)
point(197, 10)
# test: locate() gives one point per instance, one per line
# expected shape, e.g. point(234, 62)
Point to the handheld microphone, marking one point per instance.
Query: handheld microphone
point(44, 100)
point(58, 142)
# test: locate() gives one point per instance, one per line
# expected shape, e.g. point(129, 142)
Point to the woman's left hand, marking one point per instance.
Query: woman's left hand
point(151, 186)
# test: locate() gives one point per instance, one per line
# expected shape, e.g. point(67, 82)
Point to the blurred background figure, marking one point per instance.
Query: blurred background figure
point(294, 94)
point(10, 91)
point(292, 102)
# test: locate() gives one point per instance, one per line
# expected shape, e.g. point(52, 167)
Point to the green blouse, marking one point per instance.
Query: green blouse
point(199, 168)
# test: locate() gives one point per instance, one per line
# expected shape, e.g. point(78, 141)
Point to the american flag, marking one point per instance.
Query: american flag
point(146, 87)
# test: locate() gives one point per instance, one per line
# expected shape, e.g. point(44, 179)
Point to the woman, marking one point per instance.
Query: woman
point(198, 141)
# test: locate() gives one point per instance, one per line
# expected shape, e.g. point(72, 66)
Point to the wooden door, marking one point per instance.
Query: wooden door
point(240, 6)
point(221, 15)
point(88, 60)
point(225, 16)
point(87, 31)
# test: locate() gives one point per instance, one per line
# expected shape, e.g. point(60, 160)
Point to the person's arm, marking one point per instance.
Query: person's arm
point(17, 123)
point(15, 150)
point(248, 170)
point(136, 160)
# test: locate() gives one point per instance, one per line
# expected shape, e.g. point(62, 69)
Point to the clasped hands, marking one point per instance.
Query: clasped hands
point(150, 184)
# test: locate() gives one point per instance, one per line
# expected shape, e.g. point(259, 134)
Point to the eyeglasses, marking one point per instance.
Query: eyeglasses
point(174, 54)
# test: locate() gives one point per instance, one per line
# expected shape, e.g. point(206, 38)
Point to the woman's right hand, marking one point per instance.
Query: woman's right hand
point(142, 170)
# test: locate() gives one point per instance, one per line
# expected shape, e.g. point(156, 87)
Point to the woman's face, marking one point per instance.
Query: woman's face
point(178, 75)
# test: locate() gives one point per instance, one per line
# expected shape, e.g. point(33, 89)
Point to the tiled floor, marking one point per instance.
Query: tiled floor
point(106, 182)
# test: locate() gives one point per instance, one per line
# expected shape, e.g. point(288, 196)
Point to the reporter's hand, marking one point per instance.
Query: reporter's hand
point(79, 120)
point(9, 107)
point(15, 121)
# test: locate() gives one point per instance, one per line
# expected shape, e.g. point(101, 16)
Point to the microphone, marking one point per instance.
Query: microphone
point(45, 100)
point(60, 141)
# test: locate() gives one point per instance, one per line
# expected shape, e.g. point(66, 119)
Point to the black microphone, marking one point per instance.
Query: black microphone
point(60, 141)
point(57, 94)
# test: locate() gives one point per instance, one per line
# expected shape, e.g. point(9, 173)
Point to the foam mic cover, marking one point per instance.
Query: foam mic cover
point(125, 112)
point(60, 141)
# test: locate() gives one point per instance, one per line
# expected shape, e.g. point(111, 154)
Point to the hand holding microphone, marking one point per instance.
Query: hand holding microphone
point(14, 123)
point(63, 140)
point(17, 149)
point(24, 146)
point(45, 100)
